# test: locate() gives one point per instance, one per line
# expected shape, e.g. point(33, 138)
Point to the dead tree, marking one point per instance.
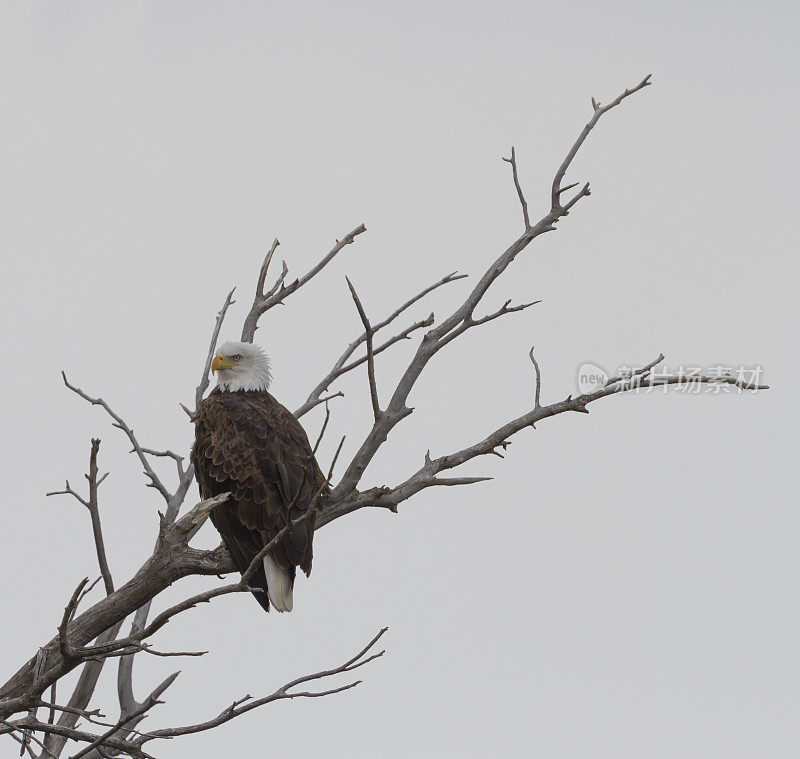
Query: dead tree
point(44, 724)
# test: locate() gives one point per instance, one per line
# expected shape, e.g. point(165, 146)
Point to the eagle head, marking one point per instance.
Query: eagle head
point(241, 366)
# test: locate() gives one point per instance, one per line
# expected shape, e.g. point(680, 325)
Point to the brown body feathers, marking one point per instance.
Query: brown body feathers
point(248, 444)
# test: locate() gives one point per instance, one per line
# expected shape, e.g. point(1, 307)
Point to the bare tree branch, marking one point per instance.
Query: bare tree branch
point(24, 742)
point(426, 476)
point(471, 322)
point(128, 703)
point(69, 491)
point(204, 379)
point(92, 668)
point(538, 380)
point(102, 739)
point(51, 717)
point(94, 511)
point(643, 372)
point(65, 647)
point(597, 112)
point(177, 458)
point(112, 742)
point(88, 589)
point(37, 673)
point(130, 714)
point(522, 201)
point(341, 366)
point(322, 399)
point(94, 716)
point(119, 422)
point(188, 526)
point(145, 648)
point(173, 559)
point(322, 430)
point(368, 331)
point(262, 275)
point(81, 695)
point(460, 321)
point(279, 292)
point(117, 737)
point(246, 704)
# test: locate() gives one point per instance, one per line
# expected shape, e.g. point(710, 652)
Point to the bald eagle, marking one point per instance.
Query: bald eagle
point(248, 444)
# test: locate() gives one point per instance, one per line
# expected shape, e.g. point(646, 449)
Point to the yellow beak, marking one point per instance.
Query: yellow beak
point(220, 362)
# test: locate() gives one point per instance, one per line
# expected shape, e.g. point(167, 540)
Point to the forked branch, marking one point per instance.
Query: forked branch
point(500, 438)
point(119, 422)
point(597, 112)
point(287, 691)
point(342, 366)
point(263, 302)
point(462, 317)
point(513, 161)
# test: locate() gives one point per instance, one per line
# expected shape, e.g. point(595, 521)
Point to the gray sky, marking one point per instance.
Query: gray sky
point(626, 587)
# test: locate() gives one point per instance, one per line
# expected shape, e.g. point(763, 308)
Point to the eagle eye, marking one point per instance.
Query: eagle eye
point(237, 357)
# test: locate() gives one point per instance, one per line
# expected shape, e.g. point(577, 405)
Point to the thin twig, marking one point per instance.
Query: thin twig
point(523, 202)
point(204, 379)
point(51, 717)
point(24, 742)
point(276, 295)
point(67, 652)
point(246, 704)
point(341, 366)
point(538, 379)
point(324, 427)
point(101, 739)
point(597, 112)
point(262, 275)
point(119, 422)
point(368, 331)
point(94, 511)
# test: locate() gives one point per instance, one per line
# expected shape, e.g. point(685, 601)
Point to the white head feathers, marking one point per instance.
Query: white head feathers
point(241, 366)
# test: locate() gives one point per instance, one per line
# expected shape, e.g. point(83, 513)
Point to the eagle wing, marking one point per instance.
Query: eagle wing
point(248, 444)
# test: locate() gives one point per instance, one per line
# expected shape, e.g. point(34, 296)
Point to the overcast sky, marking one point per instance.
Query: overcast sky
point(627, 585)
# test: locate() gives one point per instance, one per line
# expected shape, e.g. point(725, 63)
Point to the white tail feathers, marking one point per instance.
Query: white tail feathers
point(279, 585)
